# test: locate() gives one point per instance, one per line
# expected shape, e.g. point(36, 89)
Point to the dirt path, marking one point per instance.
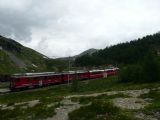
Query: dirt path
point(131, 93)
point(62, 112)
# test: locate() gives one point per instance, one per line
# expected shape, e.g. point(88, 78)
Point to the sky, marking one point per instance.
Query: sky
point(59, 28)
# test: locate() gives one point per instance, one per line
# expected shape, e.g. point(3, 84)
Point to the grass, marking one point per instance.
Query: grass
point(54, 94)
point(155, 102)
point(99, 110)
point(4, 85)
point(110, 84)
point(86, 100)
point(40, 111)
point(44, 93)
point(6, 65)
point(31, 113)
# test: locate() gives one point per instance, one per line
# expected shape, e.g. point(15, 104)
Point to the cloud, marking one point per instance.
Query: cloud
point(68, 27)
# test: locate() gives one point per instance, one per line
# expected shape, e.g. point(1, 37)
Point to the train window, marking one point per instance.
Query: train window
point(41, 78)
point(29, 79)
point(38, 78)
point(17, 80)
point(44, 77)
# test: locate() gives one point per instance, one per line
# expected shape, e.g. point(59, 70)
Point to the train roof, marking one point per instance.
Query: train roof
point(68, 72)
point(34, 74)
point(81, 71)
point(114, 68)
point(96, 71)
point(40, 73)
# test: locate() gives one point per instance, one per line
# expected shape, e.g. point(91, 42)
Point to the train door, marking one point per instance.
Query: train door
point(40, 82)
point(12, 84)
point(105, 74)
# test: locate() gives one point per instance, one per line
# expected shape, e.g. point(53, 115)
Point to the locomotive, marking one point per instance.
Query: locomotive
point(34, 80)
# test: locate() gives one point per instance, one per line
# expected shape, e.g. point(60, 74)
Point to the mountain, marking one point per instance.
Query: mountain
point(123, 53)
point(87, 52)
point(15, 57)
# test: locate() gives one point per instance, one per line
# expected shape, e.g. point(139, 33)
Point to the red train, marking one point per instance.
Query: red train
point(33, 80)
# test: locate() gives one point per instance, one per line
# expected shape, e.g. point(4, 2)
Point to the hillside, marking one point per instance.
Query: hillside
point(15, 57)
point(123, 53)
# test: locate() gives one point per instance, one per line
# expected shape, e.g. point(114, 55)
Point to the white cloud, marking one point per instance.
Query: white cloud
point(68, 27)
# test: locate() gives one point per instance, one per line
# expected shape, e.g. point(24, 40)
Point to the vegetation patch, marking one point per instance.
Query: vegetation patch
point(39, 111)
point(99, 110)
point(154, 107)
point(86, 100)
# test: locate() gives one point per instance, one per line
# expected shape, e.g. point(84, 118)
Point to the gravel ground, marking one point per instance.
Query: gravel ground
point(130, 103)
point(4, 90)
point(145, 117)
point(24, 105)
point(131, 93)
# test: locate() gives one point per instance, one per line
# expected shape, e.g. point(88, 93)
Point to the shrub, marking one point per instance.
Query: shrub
point(147, 71)
point(131, 73)
point(151, 68)
point(10, 104)
point(75, 86)
point(98, 110)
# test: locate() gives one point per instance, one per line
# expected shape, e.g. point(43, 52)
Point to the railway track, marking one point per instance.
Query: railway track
point(8, 91)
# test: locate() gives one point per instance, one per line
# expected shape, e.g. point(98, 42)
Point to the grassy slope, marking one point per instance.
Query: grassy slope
point(30, 57)
point(26, 55)
point(6, 65)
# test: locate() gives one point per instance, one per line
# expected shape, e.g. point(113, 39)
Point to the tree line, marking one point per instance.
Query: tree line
point(139, 60)
point(123, 53)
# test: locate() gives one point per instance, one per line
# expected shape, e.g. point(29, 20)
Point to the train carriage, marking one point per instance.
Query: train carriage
point(69, 76)
point(111, 71)
point(32, 80)
point(83, 75)
point(94, 74)
point(18, 83)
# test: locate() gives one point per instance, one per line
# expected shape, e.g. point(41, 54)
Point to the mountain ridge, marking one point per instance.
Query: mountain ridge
point(89, 52)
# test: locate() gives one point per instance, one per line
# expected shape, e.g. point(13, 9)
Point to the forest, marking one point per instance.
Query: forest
point(124, 53)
